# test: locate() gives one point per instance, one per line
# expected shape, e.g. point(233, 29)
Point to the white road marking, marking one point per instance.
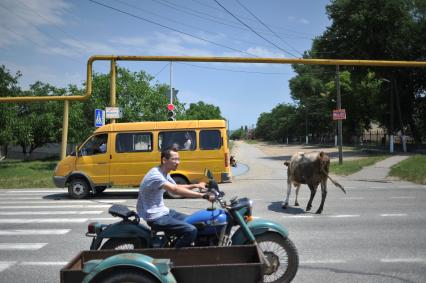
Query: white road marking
point(21, 246)
point(35, 191)
point(53, 212)
point(20, 232)
point(56, 206)
point(26, 191)
point(323, 261)
point(403, 197)
point(43, 263)
point(299, 216)
point(60, 201)
point(352, 198)
point(6, 264)
point(399, 260)
point(105, 219)
point(393, 214)
point(344, 215)
point(43, 220)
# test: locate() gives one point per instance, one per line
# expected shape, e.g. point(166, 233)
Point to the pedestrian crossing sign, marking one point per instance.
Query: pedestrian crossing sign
point(99, 117)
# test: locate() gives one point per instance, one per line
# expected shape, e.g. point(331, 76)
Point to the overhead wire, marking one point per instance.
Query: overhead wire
point(38, 44)
point(170, 28)
point(250, 28)
point(174, 21)
point(266, 26)
point(296, 33)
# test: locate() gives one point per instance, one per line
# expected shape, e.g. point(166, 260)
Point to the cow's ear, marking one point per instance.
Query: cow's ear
point(321, 154)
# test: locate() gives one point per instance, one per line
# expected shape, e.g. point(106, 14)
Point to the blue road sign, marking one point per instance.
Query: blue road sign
point(99, 117)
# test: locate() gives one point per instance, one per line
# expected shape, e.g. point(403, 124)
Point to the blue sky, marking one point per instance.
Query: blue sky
point(51, 41)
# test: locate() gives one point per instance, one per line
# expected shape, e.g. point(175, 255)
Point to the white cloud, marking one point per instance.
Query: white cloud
point(33, 73)
point(21, 20)
point(298, 20)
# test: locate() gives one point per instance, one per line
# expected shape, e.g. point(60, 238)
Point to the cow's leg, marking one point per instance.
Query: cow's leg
point(285, 204)
point(313, 192)
point(323, 196)
point(296, 203)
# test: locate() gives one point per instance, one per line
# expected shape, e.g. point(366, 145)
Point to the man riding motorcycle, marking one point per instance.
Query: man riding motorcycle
point(150, 204)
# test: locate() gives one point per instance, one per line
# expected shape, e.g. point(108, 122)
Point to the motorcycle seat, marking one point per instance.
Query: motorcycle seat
point(122, 211)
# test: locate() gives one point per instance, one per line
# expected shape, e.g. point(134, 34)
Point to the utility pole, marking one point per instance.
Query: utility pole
point(171, 89)
point(339, 122)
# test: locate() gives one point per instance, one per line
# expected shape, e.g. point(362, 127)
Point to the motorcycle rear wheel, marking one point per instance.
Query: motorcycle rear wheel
point(283, 256)
point(124, 244)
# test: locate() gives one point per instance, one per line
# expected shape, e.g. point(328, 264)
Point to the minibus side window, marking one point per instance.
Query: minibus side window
point(133, 142)
point(210, 139)
point(182, 140)
point(95, 145)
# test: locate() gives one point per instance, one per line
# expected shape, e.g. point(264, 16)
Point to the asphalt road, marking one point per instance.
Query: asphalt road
point(374, 233)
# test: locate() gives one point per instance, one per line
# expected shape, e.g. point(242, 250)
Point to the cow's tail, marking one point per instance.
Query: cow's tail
point(335, 182)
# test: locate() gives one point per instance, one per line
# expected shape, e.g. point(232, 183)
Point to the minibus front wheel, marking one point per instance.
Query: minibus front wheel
point(78, 188)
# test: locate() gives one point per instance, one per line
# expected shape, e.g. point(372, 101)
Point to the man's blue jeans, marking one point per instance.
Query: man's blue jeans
point(174, 223)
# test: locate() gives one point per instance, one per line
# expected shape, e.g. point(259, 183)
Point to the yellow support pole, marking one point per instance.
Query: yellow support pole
point(65, 130)
point(112, 86)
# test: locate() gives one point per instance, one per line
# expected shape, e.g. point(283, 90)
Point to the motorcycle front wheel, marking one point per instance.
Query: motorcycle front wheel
point(282, 256)
point(124, 244)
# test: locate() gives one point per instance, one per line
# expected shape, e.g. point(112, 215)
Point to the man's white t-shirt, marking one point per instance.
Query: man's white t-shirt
point(150, 205)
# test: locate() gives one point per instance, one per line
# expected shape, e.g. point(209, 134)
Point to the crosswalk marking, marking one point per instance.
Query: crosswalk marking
point(21, 232)
point(60, 201)
point(53, 212)
point(399, 260)
point(323, 261)
point(42, 220)
point(56, 206)
point(21, 246)
point(344, 215)
point(393, 214)
point(403, 197)
point(6, 264)
point(43, 263)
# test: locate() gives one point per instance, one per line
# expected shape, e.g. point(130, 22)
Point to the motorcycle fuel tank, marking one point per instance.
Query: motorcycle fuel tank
point(208, 221)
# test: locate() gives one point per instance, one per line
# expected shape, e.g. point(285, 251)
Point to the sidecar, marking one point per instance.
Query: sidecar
point(197, 264)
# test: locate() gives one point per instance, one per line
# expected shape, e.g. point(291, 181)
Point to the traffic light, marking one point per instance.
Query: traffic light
point(171, 115)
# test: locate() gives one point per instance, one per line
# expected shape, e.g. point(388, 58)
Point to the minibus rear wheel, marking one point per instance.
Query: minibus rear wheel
point(78, 188)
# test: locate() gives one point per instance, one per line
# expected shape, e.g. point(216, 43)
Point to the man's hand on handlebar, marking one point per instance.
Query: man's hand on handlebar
point(211, 197)
point(202, 186)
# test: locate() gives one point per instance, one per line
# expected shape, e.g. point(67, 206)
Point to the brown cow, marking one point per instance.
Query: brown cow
point(310, 169)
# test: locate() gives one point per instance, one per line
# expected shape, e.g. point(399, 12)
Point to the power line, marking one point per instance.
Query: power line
point(230, 70)
point(270, 42)
point(184, 24)
point(60, 29)
point(266, 26)
point(170, 28)
point(43, 47)
point(162, 69)
point(296, 33)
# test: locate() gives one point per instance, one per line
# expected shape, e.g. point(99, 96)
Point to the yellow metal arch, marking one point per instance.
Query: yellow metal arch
point(114, 58)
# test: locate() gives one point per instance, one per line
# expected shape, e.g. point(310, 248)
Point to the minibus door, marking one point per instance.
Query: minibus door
point(93, 159)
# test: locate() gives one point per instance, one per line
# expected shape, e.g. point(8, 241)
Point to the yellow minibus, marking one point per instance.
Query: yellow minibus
point(120, 154)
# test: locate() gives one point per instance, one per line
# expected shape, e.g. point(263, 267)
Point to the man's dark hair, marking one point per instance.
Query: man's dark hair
point(166, 153)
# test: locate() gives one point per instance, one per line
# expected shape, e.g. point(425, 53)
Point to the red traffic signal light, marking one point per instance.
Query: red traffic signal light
point(170, 107)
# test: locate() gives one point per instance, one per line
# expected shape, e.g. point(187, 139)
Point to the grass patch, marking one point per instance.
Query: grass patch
point(251, 141)
point(26, 174)
point(412, 169)
point(352, 166)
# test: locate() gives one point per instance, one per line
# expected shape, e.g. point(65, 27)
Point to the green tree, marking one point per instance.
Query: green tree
point(382, 30)
point(8, 111)
point(202, 111)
